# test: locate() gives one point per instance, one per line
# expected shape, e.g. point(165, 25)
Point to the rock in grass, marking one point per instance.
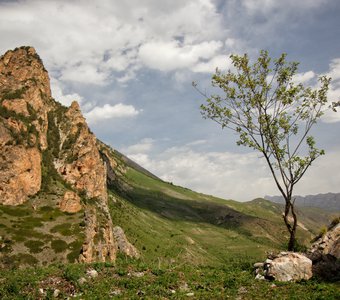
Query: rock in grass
point(116, 292)
point(82, 280)
point(259, 277)
point(184, 287)
point(258, 265)
point(123, 244)
point(92, 273)
point(289, 266)
point(56, 293)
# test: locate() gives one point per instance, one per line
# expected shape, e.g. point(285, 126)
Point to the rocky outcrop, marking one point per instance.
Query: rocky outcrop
point(27, 111)
point(327, 244)
point(123, 245)
point(79, 161)
point(40, 139)
point(99, 242)
point(20, 174)
point(321, 260)
point(24, 103)
point(325, 254)
point(115, 167)
point(25, 88)
point(286, 266)
point(70, 202)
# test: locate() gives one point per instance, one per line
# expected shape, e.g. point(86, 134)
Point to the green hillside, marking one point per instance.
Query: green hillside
point(168, 222)
point(192, 246)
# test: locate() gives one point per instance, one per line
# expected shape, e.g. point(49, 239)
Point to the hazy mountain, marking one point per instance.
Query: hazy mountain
point(329, 201)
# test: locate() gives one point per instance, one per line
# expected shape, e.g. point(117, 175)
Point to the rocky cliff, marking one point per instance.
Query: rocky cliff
point(25, 101)
point(46, 147)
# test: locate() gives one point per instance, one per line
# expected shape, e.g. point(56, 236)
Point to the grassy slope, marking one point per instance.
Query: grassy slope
point(168, 222)
point(191, 244)
point(37, 232)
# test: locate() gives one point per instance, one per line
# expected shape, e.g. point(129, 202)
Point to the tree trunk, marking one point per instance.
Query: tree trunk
point(291, 225)
point(292, 241)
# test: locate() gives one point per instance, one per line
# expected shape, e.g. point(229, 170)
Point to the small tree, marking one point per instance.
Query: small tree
point(273, 115)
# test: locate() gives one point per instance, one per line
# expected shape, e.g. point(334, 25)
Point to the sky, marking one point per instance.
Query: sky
point(130, 65)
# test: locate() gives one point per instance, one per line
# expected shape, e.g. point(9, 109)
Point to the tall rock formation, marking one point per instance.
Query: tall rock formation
point(78, 160)
point(41, 141)
point(24, 103)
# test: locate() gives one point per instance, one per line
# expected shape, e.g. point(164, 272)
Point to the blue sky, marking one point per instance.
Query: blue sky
point(130, 65)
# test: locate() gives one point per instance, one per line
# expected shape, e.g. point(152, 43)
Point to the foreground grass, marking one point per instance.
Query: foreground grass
point(133, 279)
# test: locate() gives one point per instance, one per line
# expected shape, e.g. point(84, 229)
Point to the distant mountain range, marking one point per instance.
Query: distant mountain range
point(329, 201)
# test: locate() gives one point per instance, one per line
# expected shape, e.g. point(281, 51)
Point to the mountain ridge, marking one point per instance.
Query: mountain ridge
point(327, 201)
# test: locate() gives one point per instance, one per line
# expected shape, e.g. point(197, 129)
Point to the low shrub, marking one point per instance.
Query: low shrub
point(59, 245)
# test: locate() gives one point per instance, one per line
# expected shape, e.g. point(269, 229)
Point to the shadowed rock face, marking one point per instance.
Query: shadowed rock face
point(327, 244)
point(325, 254)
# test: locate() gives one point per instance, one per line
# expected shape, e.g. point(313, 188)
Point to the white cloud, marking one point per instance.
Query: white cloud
point(58, 94)
point(270, 6)
point(232, 175)
point(171, 55)
point(334, 71)
point(143, 146)
point(303, 77)
point(84, 73)
point(90, 42)
point(110, 111)
point(197, 142)
point(323, 175)
point(221, 174)
point(334, 91)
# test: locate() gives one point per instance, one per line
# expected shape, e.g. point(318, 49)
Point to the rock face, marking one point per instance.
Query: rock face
point(286, 266)
point(328, 244)
point(25, 88)
point(79, 161)
point(123, 244)
point(70, 202)
point(20, 174)
point(325, 254)
point(99, 244)
point(28, 117)
point(24, 103)
point(40, 139)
